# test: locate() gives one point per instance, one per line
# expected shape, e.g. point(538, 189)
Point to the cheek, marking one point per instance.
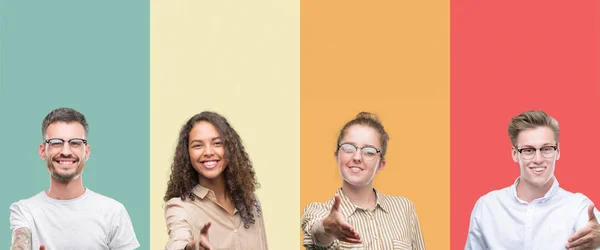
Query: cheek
point(193, 154)
point(220, 152)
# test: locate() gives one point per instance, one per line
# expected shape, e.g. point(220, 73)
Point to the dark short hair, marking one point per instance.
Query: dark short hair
point(67, 115)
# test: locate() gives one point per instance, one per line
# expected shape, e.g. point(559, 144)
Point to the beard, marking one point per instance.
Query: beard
point(64, 177)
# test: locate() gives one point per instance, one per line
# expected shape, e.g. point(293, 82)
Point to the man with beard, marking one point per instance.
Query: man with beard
point(69, 215)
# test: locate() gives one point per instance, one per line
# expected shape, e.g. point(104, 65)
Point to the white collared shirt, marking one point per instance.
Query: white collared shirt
point(500, 220)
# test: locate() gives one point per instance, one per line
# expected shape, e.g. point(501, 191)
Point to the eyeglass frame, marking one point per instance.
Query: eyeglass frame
point(47, 141)
point(377, 151)
point(520, 150)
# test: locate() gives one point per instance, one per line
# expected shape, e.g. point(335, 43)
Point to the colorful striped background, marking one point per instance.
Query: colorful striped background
point(445, 77)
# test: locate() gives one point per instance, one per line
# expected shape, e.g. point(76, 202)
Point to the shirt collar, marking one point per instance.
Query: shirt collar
point(348, 208)
point(201, 191)
point(547, 196)
point(205, 193)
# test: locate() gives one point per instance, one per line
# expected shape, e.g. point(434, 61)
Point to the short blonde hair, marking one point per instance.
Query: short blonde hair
point(531, 119)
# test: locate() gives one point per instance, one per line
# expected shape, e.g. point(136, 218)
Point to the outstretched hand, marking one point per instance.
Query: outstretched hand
point(202, 243)
point(335, 224)
point(589, 236)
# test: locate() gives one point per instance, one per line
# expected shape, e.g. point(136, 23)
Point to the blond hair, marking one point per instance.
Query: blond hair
point(531, 119)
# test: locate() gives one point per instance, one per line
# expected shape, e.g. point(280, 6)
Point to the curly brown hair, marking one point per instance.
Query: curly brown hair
point(240, 180)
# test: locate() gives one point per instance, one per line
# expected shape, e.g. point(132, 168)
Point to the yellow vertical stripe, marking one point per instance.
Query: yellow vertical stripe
point(240, 59)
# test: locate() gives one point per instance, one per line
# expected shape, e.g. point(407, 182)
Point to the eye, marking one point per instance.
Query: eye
point(369, 151)
point(547, 149)
point(55, 142)
point(75, 143)
point(196, 145)
point(348, 148)
point(218, 143)
point(528, 151)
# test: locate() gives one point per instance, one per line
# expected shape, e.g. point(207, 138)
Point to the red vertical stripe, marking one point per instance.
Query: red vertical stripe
point(512, 56)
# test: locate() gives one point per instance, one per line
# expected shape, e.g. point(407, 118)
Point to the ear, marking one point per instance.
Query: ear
point(515, 154)
point(42, 151)
point(381, 166)
point(557, 153)
point(87, 152)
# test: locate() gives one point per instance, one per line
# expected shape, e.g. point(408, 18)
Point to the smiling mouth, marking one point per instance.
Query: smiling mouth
point(210, 164)
point(66, 163)
point(355, 169)
point(538, 169)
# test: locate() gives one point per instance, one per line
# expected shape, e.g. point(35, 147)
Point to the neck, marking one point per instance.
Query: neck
point(65, 190)
point(217, 185)
point(363, 197)
point(529, 192)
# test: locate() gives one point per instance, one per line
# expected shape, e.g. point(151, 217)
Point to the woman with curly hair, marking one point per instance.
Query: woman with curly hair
point(359, 217)
point(210, 200)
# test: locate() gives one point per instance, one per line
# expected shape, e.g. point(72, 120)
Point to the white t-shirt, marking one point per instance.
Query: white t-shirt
point(91, 221)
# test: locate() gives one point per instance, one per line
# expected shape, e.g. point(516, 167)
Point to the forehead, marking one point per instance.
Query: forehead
point(203, 130)
point(361, 135)
point(536, 137)
point(65, 130)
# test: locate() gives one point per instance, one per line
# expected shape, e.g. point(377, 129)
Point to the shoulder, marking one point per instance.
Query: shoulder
point(104, 201)
point(396, 200)
point(24, 204)
point(317, 209)
point(495, 196)
point(31, 200)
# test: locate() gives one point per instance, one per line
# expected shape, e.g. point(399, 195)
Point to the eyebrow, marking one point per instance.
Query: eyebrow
point(366, 145)
point(213, 139)
point(543, 145)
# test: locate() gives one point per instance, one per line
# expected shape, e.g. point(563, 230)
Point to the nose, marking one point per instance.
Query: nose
point(537, 158)
point(66, 149)
point(208, 151)
point(357, 156)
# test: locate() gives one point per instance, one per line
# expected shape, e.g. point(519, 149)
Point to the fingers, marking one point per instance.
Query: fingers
point(582, 243)
point(591, 214)
point(336, 203)
point(579, 234)
point(348, 234)
point(193, 245)
point(204, 230)
point(351, 240)
point(205, 246)
point(349, 230)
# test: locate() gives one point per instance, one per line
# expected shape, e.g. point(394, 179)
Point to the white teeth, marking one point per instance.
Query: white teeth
point(210, 163)
point(65, 162)
point(539, 169)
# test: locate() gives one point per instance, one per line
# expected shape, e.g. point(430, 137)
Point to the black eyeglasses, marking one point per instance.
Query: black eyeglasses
point(59, 143)
point(546, 151)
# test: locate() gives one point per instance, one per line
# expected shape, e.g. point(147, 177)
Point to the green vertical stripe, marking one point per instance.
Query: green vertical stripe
point(89, 55)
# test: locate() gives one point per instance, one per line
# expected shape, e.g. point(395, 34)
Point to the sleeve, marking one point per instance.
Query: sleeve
point(313, 213)
point(262, 222)
point(178, 226)
point(122, 233)
point(475, 239)
point(19, 216)
point(418, 242)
